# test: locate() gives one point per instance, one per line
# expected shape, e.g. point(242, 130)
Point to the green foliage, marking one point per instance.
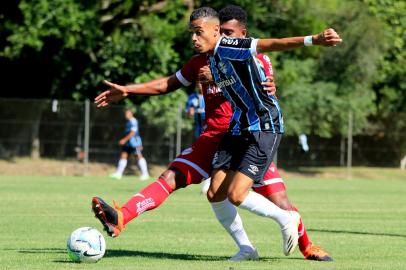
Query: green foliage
point(64, 20)
point(165, 110)
point(83, 42)
point(390, 85)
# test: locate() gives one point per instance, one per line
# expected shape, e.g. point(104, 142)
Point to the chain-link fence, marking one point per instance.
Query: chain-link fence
point(57, 129)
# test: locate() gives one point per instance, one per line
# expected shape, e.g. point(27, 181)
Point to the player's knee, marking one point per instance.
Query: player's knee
point(211, 195)
point(235, 197)
point(169, 177)
point(177, 178)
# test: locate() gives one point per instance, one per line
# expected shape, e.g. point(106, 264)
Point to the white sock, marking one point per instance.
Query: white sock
point(261, 206)
point(206, 185)
point(228, 216)
point(142, 163)
point(122, 163)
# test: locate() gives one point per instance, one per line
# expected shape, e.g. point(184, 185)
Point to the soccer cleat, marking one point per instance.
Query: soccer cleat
point(290, 234)
point(245, 255)
point(315, 253)
point(115, 176)
point(111, 218)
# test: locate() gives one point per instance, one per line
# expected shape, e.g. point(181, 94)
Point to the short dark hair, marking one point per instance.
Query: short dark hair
point(231, 12)
point(203, 12)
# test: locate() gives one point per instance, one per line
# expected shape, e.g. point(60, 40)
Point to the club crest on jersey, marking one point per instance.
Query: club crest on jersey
point(222, 67)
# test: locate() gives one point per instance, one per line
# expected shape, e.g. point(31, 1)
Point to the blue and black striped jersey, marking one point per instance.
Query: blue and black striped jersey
point(238, 75)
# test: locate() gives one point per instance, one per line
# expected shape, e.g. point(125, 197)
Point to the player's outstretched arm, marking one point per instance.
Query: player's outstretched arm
point(118, 92)
point(328, 37)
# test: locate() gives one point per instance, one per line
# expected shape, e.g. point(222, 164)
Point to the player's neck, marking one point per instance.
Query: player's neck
point(215, 42)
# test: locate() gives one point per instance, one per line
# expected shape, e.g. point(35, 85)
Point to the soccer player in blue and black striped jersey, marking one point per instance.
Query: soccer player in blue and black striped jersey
point(256, 126)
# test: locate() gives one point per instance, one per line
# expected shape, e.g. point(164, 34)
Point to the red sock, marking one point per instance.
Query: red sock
point(304, 240)
point(149, 198)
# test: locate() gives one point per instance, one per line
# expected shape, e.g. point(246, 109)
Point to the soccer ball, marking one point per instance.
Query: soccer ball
point(86, 244)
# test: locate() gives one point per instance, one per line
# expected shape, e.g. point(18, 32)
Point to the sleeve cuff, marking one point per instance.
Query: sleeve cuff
point(182, 79)
point(253, 48)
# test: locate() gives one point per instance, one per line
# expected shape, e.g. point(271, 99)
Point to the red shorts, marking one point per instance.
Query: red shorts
point(196, 164)
point(272, 183)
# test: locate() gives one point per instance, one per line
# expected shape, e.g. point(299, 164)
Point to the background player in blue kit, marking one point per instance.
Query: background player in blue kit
point(195, 109)
point(131, 144)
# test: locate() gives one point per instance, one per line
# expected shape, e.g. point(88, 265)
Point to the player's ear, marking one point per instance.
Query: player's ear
point(244, 32)
point(216, 30)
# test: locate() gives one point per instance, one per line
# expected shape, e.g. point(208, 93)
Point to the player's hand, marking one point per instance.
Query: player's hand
point(113, 95)
point(269, 85)
point(205, 75)
point(122, 142)
point(328, 37)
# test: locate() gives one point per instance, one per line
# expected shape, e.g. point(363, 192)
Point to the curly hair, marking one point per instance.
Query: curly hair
point(231, 12)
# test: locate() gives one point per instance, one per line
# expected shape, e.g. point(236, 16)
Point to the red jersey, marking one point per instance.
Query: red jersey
point(218, 109)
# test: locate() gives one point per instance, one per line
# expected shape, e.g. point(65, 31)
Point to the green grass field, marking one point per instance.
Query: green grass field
point(361, 222)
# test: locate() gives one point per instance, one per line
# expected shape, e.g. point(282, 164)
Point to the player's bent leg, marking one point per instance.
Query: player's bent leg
point(218, 188)
point(274, 189)
point(307, 248)
point(151, 197)
point(121, 165)
point(226, 213)
point(258, 204)
point(142, 164)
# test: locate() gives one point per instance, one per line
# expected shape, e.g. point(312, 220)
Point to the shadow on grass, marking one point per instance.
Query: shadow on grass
point(40, 250)
point(361, 233)
point(44, 251)
point(180, 256)
point(146, 254)
point(163, 255)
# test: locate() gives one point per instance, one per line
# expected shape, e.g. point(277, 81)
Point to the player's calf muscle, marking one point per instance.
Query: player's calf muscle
point(281, 200)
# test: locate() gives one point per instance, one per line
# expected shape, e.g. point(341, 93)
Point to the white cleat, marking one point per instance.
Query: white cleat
point(290, 234)
point(144, 177)
point(115, 176)
point(245, 255)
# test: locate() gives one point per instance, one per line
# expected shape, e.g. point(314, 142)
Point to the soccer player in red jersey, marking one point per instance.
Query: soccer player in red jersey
point(194, 164)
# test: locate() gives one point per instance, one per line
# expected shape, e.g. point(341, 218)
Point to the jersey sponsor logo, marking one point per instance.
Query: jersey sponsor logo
point(225, 83)
point(213, 90)
point(269, 63)
point(229, 41)
point(253, 169)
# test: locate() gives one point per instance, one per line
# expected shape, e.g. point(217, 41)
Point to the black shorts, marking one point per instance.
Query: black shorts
point(132, 150)
point(250, 153)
